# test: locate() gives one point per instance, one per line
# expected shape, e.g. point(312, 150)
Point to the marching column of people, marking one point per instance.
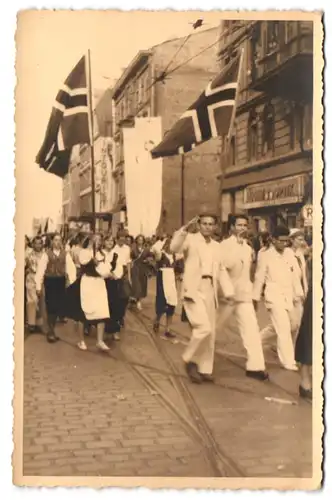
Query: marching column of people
point(93, 280)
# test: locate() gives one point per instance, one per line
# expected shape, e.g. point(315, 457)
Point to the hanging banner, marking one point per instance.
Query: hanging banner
point(143, 176)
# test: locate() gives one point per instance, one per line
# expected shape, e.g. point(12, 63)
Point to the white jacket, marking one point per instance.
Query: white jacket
point(193, 246)
point(273, 273)
point(237, 258)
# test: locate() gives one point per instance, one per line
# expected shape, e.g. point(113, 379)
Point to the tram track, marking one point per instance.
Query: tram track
point(230, 359)
point(221, 463)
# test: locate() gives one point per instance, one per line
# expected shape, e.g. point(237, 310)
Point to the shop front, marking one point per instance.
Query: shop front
point(276, 202)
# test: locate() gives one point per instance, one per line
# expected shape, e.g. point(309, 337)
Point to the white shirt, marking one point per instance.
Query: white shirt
point(123, 253)
point(120, 263)
point(157, 247)
point(297, 266)
point(273, 271)
point(42, 265)
point(207, 259)
point(237, 258)
point(86, 254)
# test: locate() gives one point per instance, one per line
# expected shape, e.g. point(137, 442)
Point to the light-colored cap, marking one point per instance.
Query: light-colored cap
point(295, 232)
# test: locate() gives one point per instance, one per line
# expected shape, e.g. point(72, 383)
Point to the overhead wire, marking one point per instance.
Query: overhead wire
point(165, 71)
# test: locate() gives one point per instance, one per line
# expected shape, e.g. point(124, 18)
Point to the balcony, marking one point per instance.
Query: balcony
point(282, 61)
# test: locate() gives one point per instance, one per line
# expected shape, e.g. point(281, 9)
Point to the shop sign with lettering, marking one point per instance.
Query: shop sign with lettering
point(278, 192)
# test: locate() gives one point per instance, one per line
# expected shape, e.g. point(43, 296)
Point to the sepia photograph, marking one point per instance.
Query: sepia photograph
point(168, 282)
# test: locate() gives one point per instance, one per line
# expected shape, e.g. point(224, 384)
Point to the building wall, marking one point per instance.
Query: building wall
point(170, 100)
point(252, 157)
point(202, 165)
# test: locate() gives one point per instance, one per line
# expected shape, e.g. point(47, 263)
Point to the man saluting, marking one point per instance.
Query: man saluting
point(203, 275)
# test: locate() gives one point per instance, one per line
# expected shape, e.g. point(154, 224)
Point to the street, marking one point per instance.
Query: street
point(132, 412)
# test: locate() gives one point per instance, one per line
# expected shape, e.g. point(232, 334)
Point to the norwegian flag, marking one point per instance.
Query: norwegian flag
point(211, 115)
point(68, 124)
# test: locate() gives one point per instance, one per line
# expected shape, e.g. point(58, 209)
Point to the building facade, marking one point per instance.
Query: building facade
point(137, 94)
point(77, 190)
point(267, 165)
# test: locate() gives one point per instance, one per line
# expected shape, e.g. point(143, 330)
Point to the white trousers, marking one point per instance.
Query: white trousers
point(202, 317)
point(295, 319)
point(281, 326)
point(249, 330)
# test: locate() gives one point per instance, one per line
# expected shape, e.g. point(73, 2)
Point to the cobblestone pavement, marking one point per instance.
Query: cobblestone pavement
point(89, 413)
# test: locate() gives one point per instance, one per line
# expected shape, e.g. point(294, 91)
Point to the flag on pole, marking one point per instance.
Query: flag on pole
point(68, 124)
point(211, 115)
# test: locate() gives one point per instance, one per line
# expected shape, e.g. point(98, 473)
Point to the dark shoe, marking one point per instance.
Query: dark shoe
point(31, 329)
point(51, 338)
point(305, 393)
point(207, 377)
point(156, 327)
point(192, 371)
point(258, 375)
point(169, 335)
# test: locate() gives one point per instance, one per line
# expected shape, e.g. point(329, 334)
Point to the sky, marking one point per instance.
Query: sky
point(49, 44)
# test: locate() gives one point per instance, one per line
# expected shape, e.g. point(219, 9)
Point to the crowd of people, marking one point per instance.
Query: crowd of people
point(93, 279)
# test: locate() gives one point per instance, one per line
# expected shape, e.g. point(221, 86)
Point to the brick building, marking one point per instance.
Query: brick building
point(76, 194)
point(267, 167)
point(134, 95)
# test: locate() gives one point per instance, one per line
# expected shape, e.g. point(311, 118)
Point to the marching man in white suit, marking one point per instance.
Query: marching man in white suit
point(237, 258)
point(295, 257)
point(203, 275)
point(274, 276)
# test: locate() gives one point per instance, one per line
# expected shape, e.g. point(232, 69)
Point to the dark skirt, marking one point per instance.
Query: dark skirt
point(112, 324)
point(303, 347)
point(73, 309)
point(139, 278)
point(161, 304)
point(55, 292)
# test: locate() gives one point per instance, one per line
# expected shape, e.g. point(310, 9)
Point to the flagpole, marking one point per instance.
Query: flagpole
point(92, 148)
point(227, 149)
point(182, 189)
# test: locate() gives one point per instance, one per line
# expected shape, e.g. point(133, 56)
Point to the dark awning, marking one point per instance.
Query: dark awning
point(88, 217)
point(268, 173)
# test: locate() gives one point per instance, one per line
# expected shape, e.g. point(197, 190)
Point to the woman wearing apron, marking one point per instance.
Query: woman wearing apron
point(166, 293)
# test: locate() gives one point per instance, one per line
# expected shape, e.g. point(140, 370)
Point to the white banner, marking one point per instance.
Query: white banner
point(143, 176)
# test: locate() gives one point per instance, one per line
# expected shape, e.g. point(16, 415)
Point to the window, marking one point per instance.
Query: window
point(140, 90)
point(290, 120)
point(291, 221)
point(291, 30)
point(232, 151)
point(232, 159)
point(252, 146)
point(307, 125)
point(268, 128)
point(272, 36)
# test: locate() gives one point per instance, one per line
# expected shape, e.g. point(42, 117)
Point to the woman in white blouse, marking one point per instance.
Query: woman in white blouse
point(54, 269)
point(87, 298)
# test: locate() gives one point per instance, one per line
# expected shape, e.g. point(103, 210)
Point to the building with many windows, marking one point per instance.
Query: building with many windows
point(267, 166)
point(137, 94)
